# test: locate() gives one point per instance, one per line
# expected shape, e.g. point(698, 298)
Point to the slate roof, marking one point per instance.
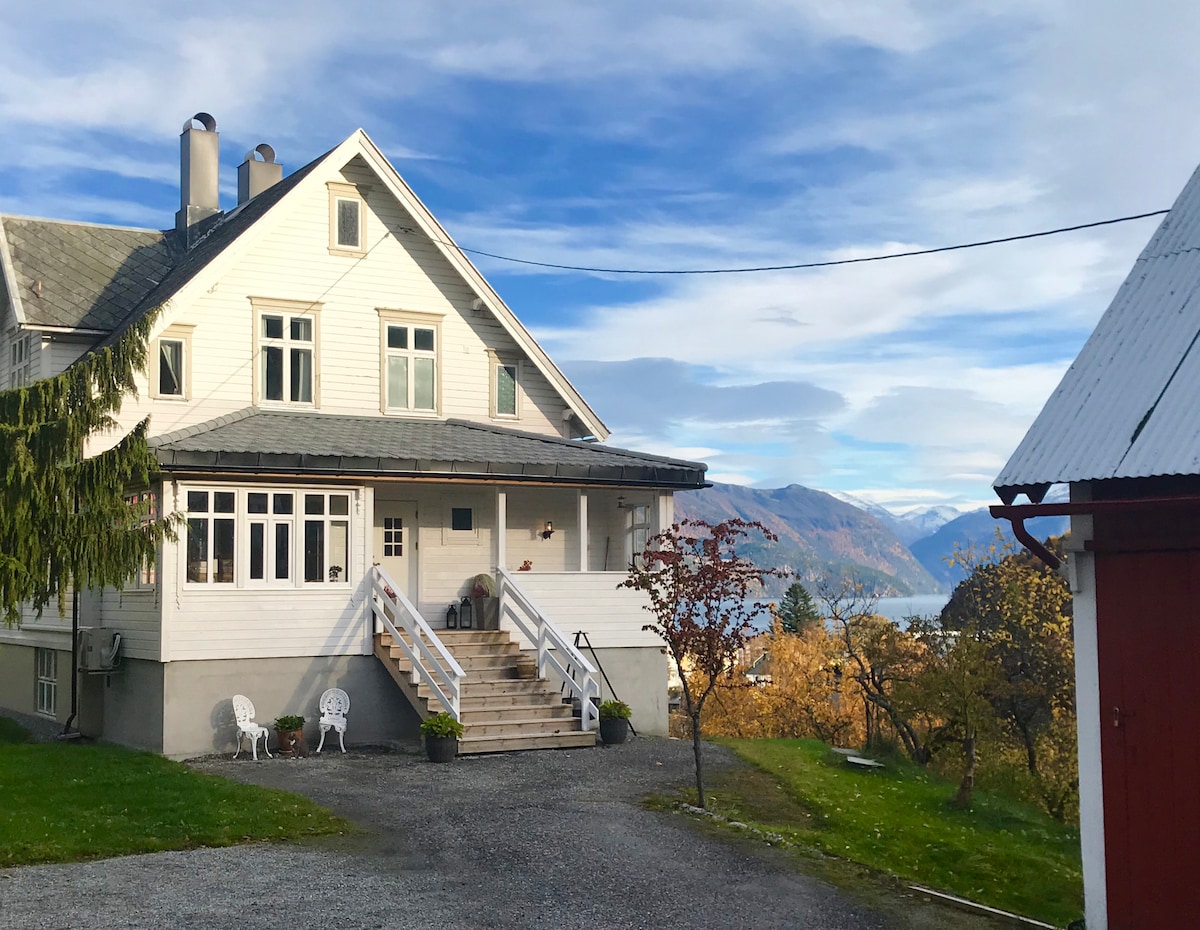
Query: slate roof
point(103, 278)
point(256, 441)
point(81, 275)
point(1126, 408)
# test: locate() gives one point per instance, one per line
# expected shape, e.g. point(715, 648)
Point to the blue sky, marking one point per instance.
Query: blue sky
point(686, 135)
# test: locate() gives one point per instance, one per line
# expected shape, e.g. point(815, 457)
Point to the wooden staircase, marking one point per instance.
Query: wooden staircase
point(500, 713)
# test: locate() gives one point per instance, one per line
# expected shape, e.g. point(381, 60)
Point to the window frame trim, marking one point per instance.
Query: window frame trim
point(276, 306)
point(495, 363)
point(346, 190)
point(425, 319)
point(177, 332)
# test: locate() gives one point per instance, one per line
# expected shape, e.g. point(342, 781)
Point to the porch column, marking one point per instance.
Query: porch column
point(583, 531)
point(501, 527)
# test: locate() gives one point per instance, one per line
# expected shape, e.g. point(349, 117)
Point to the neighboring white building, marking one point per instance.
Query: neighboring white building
point(332, 387)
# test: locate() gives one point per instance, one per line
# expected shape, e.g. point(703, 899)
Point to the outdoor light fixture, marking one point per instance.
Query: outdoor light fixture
point(465, 614)
point(549, 530)
point(452, 618)
point(620, 502)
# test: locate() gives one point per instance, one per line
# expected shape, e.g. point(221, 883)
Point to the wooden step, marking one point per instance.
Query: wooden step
point(453, 638)
point(483, 688)
point(523, 726)
point(474, 716)
point(475, 745)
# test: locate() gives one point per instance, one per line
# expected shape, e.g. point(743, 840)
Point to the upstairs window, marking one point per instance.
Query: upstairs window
point(410, 363)
point(347, 219)
point(287, 342)
point(170, 372)
point(20, 356)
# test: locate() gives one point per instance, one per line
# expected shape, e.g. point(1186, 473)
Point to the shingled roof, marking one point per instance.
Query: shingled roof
point(1126, 408)
point(262, 442)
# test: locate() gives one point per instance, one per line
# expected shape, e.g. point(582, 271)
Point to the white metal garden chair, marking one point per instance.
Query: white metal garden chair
point(243, 712)
point(334, 705)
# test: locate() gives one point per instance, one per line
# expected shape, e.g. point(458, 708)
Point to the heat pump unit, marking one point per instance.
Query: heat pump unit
point(98, 649)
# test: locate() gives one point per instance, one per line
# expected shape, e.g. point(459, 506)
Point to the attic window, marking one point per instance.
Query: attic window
point(347, 219)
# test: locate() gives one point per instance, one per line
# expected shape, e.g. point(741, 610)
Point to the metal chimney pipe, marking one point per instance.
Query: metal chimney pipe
point(256, 176)
point(199, 162)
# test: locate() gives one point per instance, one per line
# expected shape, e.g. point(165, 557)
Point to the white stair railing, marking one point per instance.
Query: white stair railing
point(432, 662)
point(552, 645)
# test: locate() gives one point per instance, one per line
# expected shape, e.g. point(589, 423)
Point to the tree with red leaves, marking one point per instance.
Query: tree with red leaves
point(699, 590)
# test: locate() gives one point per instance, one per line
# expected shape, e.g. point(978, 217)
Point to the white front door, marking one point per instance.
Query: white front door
point(395, 543)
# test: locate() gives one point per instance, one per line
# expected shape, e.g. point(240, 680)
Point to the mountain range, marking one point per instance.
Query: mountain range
point(896, 554)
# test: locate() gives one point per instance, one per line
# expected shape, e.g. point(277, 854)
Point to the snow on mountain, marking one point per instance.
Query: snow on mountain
point(911, 525)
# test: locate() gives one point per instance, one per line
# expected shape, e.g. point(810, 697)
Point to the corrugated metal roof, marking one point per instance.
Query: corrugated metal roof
point(256, 441)
point(1127, 407)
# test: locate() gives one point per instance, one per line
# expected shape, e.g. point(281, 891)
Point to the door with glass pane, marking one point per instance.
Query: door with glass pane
point(395, 542)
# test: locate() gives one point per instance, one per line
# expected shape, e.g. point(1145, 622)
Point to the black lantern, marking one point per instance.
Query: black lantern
point(465, 611)
point(452, 618)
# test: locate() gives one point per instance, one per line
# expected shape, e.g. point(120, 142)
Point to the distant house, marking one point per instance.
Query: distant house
point(354, 425)
point(1123, 430)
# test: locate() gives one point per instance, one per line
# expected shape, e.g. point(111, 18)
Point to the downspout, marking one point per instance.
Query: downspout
point(1029, 542)
point(66, 730)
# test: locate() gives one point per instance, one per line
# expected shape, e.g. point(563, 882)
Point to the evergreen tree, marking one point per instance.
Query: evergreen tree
point(797, 612)
point(65, 520)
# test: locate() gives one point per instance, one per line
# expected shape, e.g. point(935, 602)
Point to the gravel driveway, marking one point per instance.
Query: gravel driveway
point(538, 839)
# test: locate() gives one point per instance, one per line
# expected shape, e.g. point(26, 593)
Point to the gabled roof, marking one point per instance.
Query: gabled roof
point(262, 442)
point(1127, 407)
point(80, 276)
point(115, 309)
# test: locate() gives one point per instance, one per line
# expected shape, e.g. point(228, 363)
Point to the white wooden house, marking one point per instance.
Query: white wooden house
point(354, 425)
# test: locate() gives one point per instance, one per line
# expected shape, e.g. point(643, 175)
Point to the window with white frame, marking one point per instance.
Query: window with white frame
point(146, 503)
point(638, 523)
point(287, 338)
point(326, 537)
point(277, 537)
point(170, 370)
point(211, 537)
point(20, 369)
point(506, 376)
point(347, 219)
point(47, 681)
point(271, 529)
point(410, 364)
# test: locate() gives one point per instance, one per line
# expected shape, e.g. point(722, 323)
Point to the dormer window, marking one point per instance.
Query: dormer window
point(347, 219)
point(287, 341)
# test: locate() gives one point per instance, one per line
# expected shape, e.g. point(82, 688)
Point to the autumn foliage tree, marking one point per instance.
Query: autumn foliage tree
point(700, 592)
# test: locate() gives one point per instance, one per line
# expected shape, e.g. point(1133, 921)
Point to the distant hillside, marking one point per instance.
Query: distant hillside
point(817, 532)
point(979, 528)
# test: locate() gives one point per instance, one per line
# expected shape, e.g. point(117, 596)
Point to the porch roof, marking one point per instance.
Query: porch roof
point(255, 441)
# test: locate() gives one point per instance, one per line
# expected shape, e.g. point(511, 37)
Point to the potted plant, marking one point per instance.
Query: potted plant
point(441, 732)
point(289, 730)
point(614, 722)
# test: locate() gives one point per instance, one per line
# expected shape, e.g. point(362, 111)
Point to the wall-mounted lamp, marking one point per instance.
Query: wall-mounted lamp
point(549, 530)
point(620, 502)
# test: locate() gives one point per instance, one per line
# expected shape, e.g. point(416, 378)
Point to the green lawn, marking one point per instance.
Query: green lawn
point(67, 801)
point(899, 820)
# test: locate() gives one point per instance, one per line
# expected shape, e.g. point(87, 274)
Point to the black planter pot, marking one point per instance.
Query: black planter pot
point(614, 730)
point(441, 748)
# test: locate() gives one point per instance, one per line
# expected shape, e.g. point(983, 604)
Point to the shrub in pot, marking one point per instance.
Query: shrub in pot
point(441, 732)
point(614, 722)
point(289, 730)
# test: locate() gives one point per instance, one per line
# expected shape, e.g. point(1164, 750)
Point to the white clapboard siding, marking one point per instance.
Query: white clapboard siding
point(402, 271)
point(528, 511)
point(136, 615)
point(448, 561)
point(591, 602)
point(49, 629)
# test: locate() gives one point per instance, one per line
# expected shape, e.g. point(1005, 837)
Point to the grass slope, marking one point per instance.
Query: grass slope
point(64, 802)
point(899, 820)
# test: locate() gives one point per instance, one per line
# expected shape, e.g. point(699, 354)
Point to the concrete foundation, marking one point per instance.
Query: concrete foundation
point(639, 678)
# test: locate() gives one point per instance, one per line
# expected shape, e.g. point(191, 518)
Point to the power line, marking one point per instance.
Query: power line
point(826, 264)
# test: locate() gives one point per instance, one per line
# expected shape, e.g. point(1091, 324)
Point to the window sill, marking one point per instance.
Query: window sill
point(172, 398)
point(412, 414)
point(285, 405)
point(347, 253)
